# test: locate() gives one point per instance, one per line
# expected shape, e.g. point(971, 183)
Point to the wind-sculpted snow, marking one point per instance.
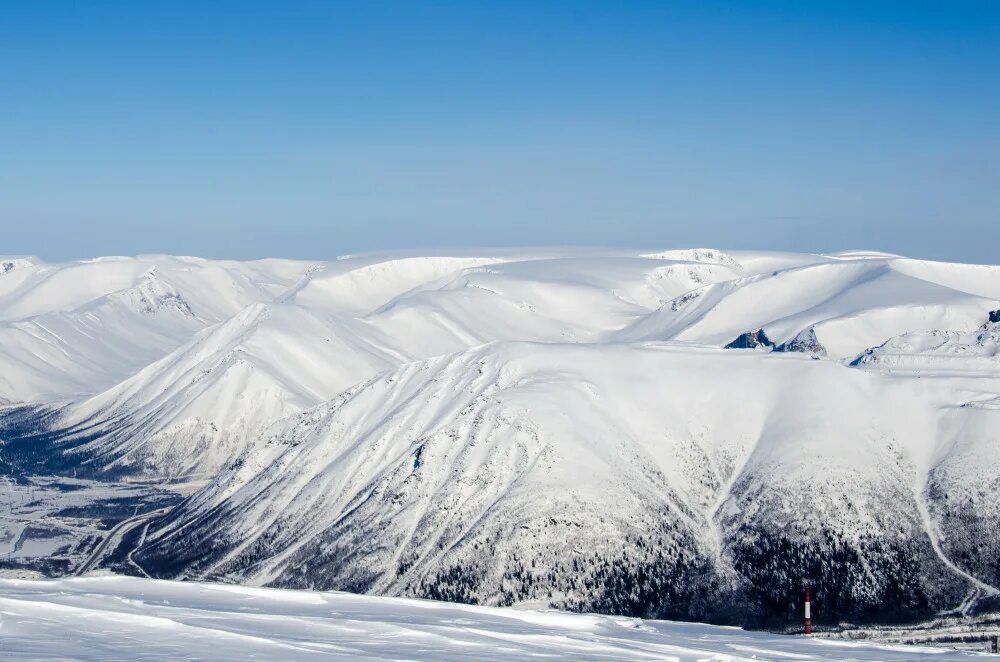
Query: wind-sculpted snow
point(117, 618)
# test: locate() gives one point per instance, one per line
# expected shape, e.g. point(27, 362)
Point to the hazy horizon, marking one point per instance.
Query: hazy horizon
point(311, 130)
point(585, 249)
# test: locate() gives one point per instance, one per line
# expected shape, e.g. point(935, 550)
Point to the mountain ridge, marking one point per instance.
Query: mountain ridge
point(680, 434)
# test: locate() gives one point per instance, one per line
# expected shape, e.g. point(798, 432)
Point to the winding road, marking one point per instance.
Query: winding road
point(116, 533)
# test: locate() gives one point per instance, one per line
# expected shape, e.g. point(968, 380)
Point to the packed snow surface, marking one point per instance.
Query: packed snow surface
point(119, 618)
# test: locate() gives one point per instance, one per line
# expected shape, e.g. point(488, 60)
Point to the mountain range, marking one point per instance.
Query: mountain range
point(686, 434)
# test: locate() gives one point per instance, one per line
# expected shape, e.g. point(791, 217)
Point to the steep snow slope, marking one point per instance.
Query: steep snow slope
point(964, 486)
point(631, 479)
point(76, 328)
point(62, 354)
point(194, 410)
point(849, 303)
point(116, 618)
point(938, 351)
point(362, 315)
point(964, 483)
point(359, 285)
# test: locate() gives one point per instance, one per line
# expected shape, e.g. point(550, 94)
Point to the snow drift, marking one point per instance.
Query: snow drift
point(114, 618)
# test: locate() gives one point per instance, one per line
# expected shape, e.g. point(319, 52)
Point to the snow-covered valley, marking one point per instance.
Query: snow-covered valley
point(684, 434)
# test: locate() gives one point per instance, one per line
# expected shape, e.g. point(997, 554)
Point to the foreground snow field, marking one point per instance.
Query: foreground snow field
point(124, 618)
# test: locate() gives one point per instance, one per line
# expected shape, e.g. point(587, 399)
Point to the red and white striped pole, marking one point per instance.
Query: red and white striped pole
point(809, 627)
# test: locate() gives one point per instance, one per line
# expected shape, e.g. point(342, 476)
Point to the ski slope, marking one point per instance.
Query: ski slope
point(117, 618)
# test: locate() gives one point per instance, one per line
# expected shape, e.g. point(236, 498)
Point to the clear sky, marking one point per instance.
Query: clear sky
point(312, 129)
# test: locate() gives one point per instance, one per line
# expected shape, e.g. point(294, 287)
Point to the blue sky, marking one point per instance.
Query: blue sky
point(312, 129)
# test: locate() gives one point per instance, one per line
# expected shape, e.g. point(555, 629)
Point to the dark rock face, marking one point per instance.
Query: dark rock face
point(806, 342)
point(995, 316)
point(867, 356)
point(751, 340)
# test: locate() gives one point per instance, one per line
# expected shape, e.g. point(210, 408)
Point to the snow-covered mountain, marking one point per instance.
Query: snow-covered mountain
point(939, 351)
point(73, 329)
point(515, 472)
point(195, 409)
point(964, 483)
point(683, 433)
point(849, 303)
point(346, 321)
